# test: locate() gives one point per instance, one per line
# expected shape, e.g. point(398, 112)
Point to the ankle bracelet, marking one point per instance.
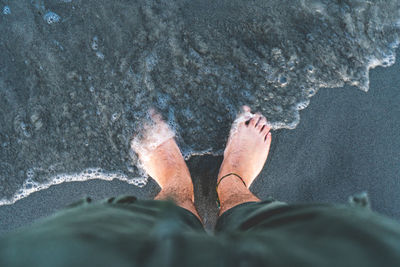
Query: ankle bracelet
point(218, 203)
point(229, 175)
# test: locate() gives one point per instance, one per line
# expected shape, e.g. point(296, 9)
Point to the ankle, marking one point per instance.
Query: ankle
point(230, 185)
point(230, 168)
point(174, 179)
point(181, 196)
point(177, 193)
point(232, 192)
point(228, 175)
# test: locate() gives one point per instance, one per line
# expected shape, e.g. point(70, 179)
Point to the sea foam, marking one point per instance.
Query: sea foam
point(30, 186)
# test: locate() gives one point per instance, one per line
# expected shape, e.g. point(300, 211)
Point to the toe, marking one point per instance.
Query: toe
point(268, 139)
point(265, 129)
point(259, 119)
point(155, 116)
point(246, 108)
point(254, 120)
point(261, 123)
point(244, 117)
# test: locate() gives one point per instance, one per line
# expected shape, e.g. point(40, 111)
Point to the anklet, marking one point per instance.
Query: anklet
point(229, 175)
point(218, 203)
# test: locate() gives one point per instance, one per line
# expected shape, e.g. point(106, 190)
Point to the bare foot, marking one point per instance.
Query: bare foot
point(247, 148)
point(161, 158)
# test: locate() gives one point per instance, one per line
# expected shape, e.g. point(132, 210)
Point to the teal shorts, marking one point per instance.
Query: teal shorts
point(125, 231)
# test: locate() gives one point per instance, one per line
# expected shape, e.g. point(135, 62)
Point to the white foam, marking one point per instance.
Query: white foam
point(302, 105)
point(243, 117)
point(189, 153)
point(154, 137)
point(31, 186)
point(387, 61)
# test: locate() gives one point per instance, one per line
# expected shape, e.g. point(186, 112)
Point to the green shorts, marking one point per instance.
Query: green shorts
point(125, 231)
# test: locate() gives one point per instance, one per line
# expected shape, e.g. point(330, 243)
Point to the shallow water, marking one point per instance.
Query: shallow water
point(77, 77)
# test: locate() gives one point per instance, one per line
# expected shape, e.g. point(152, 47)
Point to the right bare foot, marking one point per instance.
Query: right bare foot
point(161, 158)
point(247, 148)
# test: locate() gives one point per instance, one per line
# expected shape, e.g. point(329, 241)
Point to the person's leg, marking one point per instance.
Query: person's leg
point(165, 164)
point(245, 155)
point(123, 231)
point(273, 233)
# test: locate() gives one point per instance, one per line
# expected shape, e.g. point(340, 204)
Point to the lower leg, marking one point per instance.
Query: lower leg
point(245, 155)
point(182, 195)
point(232, 192)
point(165, 164)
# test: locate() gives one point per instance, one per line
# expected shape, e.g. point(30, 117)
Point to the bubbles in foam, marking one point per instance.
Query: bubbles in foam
point(310, 69)
point(30, 173)
point(187, 154)
point(6, 10)
point(51, 17)
point(100, 55)
point(283, 80)
point(115, 116)
point(139, 182)
point(311, 92)
point(153, 137)
point(388, 60)
point(25, 130)
point(130, 168)
point(302, 105)
point(95, 44)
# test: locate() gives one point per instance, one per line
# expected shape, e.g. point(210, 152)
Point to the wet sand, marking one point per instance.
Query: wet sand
point(347, 142)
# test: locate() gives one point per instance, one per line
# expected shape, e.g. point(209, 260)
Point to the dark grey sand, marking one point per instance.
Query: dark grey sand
point(348, 141)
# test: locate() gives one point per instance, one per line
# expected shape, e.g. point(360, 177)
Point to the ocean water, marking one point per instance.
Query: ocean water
point(77, 77)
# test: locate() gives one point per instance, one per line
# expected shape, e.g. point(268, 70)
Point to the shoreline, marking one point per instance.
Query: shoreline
point(347, 142)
